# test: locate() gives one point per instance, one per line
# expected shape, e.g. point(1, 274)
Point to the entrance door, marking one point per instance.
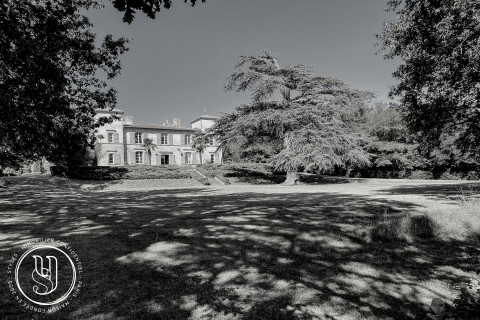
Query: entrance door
point(164, 159)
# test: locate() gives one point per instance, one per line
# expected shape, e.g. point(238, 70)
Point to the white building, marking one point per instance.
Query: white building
point(122, 142)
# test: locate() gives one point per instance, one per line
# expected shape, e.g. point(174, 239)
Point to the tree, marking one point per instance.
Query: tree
point(51, 83)
point(149, 7)
point(200, 141)
point(439, 78)
point(149, 146)
point(312, 119)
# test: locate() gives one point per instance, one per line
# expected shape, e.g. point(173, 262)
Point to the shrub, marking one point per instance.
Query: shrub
point(156, 172)
point(391, 228)
point(421, 175)
point(450, 176)
point(258, 180)
point(467, 304)
point(236, 170)
point(473, 175)
point(127, 172)
point(320, 179)
point(443, 222)
point(93, 173)
point(456, 223)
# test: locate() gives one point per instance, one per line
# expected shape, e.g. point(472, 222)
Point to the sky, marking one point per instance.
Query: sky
point(178, 63)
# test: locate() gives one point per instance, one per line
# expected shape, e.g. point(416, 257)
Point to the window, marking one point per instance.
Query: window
point(188, 158)
point(111, 158)
point(210, 141)
point(139, 157)
point(138, 137)
point(212, 157)
point(164, 138)
point(110, 137)
point(188, 139)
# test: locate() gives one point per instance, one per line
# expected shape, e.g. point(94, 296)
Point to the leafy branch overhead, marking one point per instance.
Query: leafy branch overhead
point(149, 7)
point(439, 78)
point(312, 117)
point(50, 80)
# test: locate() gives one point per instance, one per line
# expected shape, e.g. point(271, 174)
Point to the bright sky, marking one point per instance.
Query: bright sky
point(178, 63)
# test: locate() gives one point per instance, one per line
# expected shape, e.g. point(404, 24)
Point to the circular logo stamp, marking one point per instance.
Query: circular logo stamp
point(44, 275)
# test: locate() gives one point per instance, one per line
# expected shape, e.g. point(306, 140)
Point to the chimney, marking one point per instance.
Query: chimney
point(176, 122)
point(128, 120)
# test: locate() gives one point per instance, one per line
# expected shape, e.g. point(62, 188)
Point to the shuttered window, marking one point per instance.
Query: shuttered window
point(110, 137)
point(164, 138)
point(138, 137)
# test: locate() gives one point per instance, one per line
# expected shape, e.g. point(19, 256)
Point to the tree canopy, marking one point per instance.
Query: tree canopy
point(51, 79)
point(149, 7)
point(200, 141)
point(439, 79)
point(312, 118)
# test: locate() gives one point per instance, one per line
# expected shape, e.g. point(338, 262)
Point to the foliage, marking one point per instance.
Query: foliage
point(441, 223)
point(125, 172)
point(438, 42)
point(91, 173)
point(50, 82)
point(420, 175)
point(312, 120)
point(156, 172)
point(258, 180)
point(149, 146)
point(259, 149)
point(386, 123)
point(200, 141)
point(395, 153)
point(149, 7)
point(236, 170)
point(467, 304)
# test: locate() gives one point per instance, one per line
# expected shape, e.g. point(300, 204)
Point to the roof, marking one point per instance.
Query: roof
point(157, 127)
point(205, 117)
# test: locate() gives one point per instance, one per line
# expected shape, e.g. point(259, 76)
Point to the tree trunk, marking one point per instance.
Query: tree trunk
point(292, 177)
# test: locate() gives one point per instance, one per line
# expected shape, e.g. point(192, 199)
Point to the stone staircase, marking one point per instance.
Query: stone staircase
point(213, 181)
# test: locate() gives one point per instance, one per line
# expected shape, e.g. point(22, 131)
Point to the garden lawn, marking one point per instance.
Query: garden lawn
point(235, 252)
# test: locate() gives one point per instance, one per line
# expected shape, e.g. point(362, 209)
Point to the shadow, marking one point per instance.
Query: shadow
point(453, 190)
point(231, 253)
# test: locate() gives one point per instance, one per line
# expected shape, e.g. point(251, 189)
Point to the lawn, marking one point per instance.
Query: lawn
point(238, 251)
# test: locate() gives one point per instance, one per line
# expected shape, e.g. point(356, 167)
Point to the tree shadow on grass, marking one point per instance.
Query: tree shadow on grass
point(452, 191)
point(210, 254)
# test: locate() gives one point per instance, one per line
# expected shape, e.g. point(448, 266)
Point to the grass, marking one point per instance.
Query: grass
point(439, 222)
point(240, 252)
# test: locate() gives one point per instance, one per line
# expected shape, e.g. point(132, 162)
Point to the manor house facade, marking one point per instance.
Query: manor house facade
point(123, 143)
